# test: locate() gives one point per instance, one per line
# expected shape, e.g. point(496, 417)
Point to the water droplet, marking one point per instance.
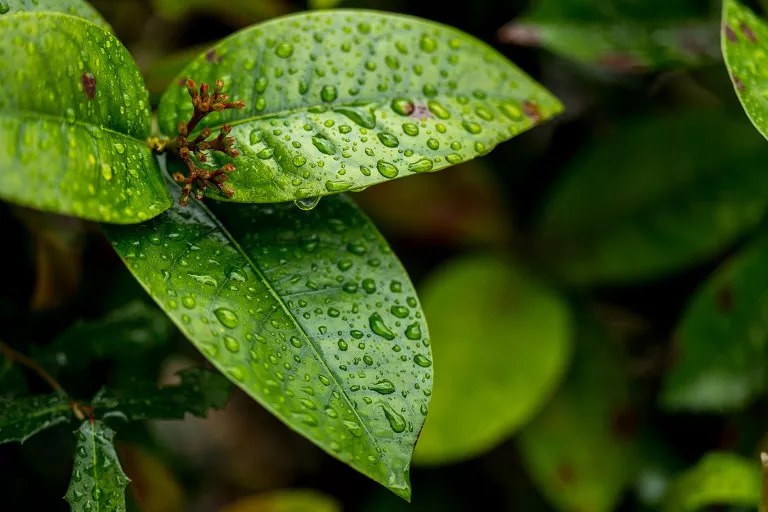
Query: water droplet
point(422, 361)
point(328, 93)
point(284, 50)
point(379, 327)
point(343, 345)
point(265, 153)
point(388, 139)
point(231, 344)
point(307, 203)
point(323, 145)
point(438, 109)
point(363, 116)
point(410, 129)
point(299, 160)
point(423, 165)
point(120, 148)
point(384, 387)
point(396, 421)
point(4, 7)
point(427, 44)
point(227, 317)
point(413, 331)
point(296, 342)
point(387, 169)
point(472, 128)
point(403, 106)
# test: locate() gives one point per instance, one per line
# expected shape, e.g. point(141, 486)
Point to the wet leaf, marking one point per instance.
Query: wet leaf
point(501, 343)
point(79, 8)
point(294, 500)
point(580, 451)
point(23, 417)
point(198, 391)
point(342, 100)
point(98, 482)
point(72, 137)
point(744, 39)
point(722, 340)
point(654, 196)
point(308, 312)
point(717, 479)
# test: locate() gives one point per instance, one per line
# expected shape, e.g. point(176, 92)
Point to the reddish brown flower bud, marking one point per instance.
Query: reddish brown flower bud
point(192, 88)
point(182, 128)
point(218, 87)
point(226, 128)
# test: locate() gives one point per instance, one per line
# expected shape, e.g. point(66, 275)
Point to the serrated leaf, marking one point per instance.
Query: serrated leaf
point(717, 479)
point(79, 8)
point(524, 330)
point(580, 451)
point(720, 343)
point(23, 417)
point(653, 196)
point(74, 117)
point(290, 500)
point(98, 482)
point(744, 39)
point(344, 99)
point(308, 312)
point(198, 391)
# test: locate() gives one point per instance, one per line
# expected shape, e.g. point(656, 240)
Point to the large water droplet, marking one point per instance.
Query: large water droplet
point(306, 203)
point(284, 50)
point(227, 317)
point(379, 327)
point(328, 93)
point(384, 387)
point(396, 421)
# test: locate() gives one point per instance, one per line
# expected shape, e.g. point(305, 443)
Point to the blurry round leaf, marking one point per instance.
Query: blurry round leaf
point(285, 501)
point(501, 341)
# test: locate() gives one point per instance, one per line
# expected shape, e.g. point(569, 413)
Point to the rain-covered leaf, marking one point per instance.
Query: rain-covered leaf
point(74, 116)
point(79, 8)
point(717, 479)
point(342, 100)
point(98, 482)
point(721, 343)
point(308, 312)
point(294, 500)
point(653, 195)
point(580, 451)
point(237, 12)
point(23, 417)
point(198, 391)
point(501, 344)
point(744, 43)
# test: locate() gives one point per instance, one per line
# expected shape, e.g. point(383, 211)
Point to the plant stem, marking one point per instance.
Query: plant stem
point(16, 356)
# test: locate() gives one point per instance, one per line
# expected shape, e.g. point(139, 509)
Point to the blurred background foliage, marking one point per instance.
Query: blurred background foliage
point(596, 290)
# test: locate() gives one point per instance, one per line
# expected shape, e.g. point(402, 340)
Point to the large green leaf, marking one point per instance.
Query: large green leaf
point(722, 340)
point(79, 8)
point(580, 451)
point(309, 312)
point(744, 43)
point(98, 482)
point(343, 99)
point(501, 343)
point(654, 195)
point(198, 391)
point(74, 116)
point(717, 479)
point(23, 417)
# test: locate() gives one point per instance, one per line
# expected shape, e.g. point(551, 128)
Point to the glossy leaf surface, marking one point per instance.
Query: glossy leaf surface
point(341, 100)
point(98, 482)
point(74, 117)
point(23, 417)
point(499, 337)
point(308, 312)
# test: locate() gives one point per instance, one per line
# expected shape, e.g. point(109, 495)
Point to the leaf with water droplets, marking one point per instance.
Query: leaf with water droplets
point(342, 100)
point(79, 8)
point(296, 308)
point(719, 478)
point(98, 482)
point(74, 118)
point(198, 391)
point(502, 342)
point(654, 195)
point(23, 417)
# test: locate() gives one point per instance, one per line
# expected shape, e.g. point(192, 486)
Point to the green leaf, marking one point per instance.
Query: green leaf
point(500, 337)
point(721, 339)
point(98, 482)
point(341, 100)
point(198, 391)
point(580, 451)
point(68, 144)
point(744, 42)
point(79, 8)
point(308, 312)
point(654, 195)
point(290, 500)
point(717, 479)
point(23, 417)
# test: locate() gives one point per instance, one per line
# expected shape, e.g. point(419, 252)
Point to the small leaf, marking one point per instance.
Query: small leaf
point(79, 8)
point(717, 479)
point(23, 417)
point(98, 482)
point(744, 42)
point(72, 137)
point(501, 341)
point(653, 196)
point(294, 500)
point(580, 451)
point(198, 391)
point(308, 312)
point(721, 340)
point(378, 96)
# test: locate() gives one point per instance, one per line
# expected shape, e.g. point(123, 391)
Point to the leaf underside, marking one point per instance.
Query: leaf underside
point(341, 100)
point(74, 117)
point(308, 312)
